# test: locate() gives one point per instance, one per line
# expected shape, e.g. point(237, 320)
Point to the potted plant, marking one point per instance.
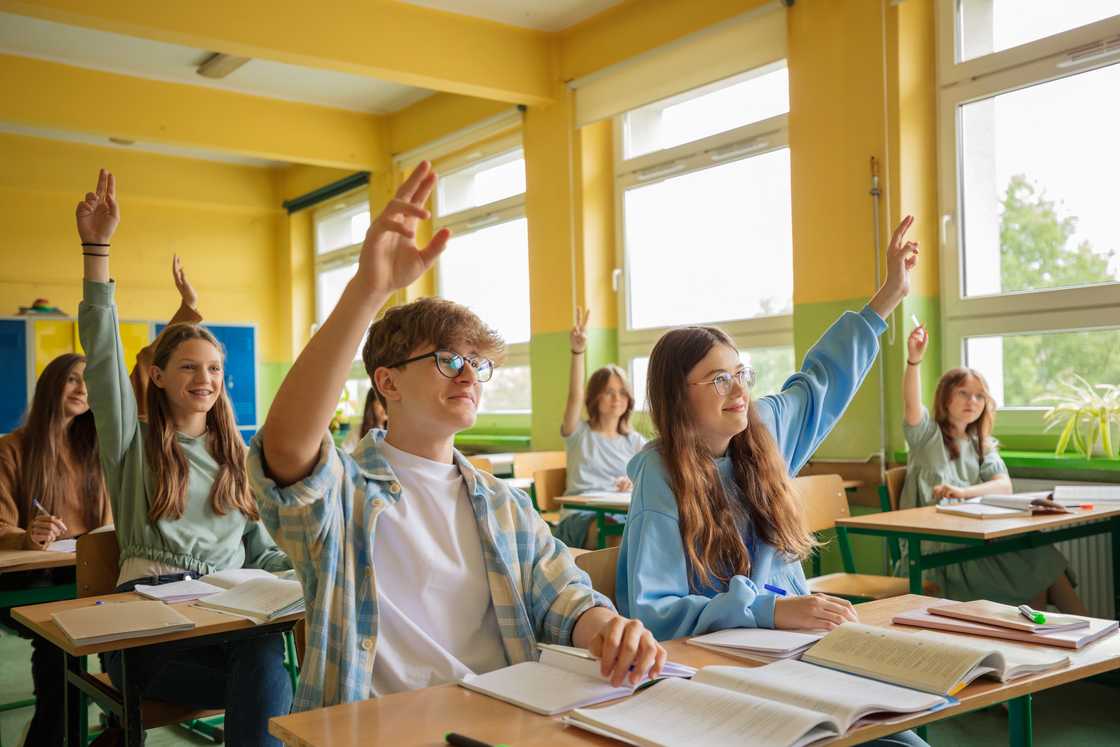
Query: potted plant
point(1085, 413)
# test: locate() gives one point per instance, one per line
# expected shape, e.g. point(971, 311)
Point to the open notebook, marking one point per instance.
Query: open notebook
point(758, 644)
point(190, 589)
point(261, 599)
point(563, 679)
point(925, 660)
point(114, 621)
point(784, 703)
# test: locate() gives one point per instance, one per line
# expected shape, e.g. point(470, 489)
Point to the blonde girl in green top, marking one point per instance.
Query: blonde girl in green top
point(954, 457)
point(179, 492)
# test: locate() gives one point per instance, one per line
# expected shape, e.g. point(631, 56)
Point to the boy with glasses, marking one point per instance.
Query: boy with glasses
point(417, 569)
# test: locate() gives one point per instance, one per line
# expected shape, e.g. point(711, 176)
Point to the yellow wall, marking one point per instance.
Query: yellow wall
point(222, 219)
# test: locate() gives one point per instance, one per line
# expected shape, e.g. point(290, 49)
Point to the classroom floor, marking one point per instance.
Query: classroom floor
point(1079, 714)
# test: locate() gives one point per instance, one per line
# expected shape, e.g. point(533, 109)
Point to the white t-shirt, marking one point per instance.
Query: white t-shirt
point(436, 619)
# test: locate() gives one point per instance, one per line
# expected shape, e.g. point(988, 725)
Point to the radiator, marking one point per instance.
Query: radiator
point(1090, 558)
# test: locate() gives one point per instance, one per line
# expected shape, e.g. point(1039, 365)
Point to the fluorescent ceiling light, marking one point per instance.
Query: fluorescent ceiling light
point(220, 65)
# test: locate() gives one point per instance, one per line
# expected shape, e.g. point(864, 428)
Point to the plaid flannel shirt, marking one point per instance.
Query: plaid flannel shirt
point(327, 524)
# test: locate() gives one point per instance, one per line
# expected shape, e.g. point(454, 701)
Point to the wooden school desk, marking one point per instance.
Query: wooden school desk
point(210, 628)
point(981, 538)
point(16, 561)
point(421, 717)
point(614, 504)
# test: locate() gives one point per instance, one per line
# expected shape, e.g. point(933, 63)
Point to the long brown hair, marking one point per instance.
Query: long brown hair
point(50, 447)
point(597, 384)
point(230, 491)
point(979, 431)
point(710, 517)
point(373, 414)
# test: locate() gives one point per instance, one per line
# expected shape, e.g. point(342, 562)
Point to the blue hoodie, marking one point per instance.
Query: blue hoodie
point(653, 574)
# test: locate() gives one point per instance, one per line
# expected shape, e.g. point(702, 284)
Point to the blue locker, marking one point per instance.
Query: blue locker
point(13, 373)
point(240, 343)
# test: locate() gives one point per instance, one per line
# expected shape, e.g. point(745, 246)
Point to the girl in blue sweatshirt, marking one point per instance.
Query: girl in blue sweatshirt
point(714, 521)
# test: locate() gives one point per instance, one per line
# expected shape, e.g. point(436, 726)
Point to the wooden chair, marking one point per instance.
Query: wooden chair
point(98, 564)
point(889, 495)
point(526, 463)
point(548, 485)
point(482, 464)
point(602, 566)
point(825, 501)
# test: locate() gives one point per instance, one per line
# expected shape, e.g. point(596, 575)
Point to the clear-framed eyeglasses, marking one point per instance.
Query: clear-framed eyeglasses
point(744, 377)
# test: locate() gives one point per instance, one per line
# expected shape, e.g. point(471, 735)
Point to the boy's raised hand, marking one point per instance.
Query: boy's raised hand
point(98, 214)
point(390, 258)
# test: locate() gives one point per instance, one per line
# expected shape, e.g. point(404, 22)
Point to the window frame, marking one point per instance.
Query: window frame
point(740, 143)
point(468, 221)
point(1069, 309)
point(336, 258)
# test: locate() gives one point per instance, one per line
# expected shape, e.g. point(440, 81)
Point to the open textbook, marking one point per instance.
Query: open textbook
point(925, 660)
point(261, 599)
point(190, 589)
point(563, 679)
point(1073, 494)
point(758, 644)
point(784, 703)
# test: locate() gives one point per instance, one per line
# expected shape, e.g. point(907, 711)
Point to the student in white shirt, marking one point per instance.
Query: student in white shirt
point(416, 567)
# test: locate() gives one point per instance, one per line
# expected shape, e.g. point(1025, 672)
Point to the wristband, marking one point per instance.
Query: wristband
point(94, 254)
point(578, 352)
point(91, 243)
point(913, 363)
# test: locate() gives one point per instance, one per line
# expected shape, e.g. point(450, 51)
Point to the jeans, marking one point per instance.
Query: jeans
point(247, 678)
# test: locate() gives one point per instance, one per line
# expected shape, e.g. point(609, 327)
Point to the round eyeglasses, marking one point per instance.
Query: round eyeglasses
point(744, 377)
point(451, 364)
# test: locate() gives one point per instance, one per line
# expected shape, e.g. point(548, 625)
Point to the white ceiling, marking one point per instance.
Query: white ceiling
point(544, 15)
point(102, 50)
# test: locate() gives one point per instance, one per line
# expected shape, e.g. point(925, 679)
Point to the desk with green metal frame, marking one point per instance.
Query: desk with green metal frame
point(18, 561)
point(603, 505)
point(982, 538)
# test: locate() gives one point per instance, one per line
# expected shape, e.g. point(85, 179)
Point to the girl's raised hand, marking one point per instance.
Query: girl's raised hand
point(98, 214)
point(390, 258)
point(186, 290)
point(579, 331)
point(916, 343)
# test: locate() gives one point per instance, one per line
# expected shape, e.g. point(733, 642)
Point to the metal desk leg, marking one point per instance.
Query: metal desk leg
point(1019, 722)
point(1115, 521)
point(845, 550)
point(601, 523)
point(914, 559)
point(74, 701)
point(130, 698)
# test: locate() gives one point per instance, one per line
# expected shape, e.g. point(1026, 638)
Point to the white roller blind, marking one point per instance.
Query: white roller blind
point(741, 43)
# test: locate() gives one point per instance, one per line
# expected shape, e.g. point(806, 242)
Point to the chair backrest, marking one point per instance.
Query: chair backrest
point(896, 476)
point(482, 464)
point(98, 563)
point(601, 565)
point(548, 485)
point(528, 462)
point(823, 499)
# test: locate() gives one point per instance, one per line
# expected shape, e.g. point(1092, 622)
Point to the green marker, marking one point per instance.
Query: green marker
point(458, 740)
point(1036, 617)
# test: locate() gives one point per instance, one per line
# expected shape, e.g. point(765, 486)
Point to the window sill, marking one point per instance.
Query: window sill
point(1047, 465)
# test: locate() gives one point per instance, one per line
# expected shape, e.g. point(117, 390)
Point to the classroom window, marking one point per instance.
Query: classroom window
point(486, 264)
point(1021, 368)
point(704, 199)
point(339, 227)
point(1030, 241)
point(754, 96)
point(772, 365)
point(988, 26)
